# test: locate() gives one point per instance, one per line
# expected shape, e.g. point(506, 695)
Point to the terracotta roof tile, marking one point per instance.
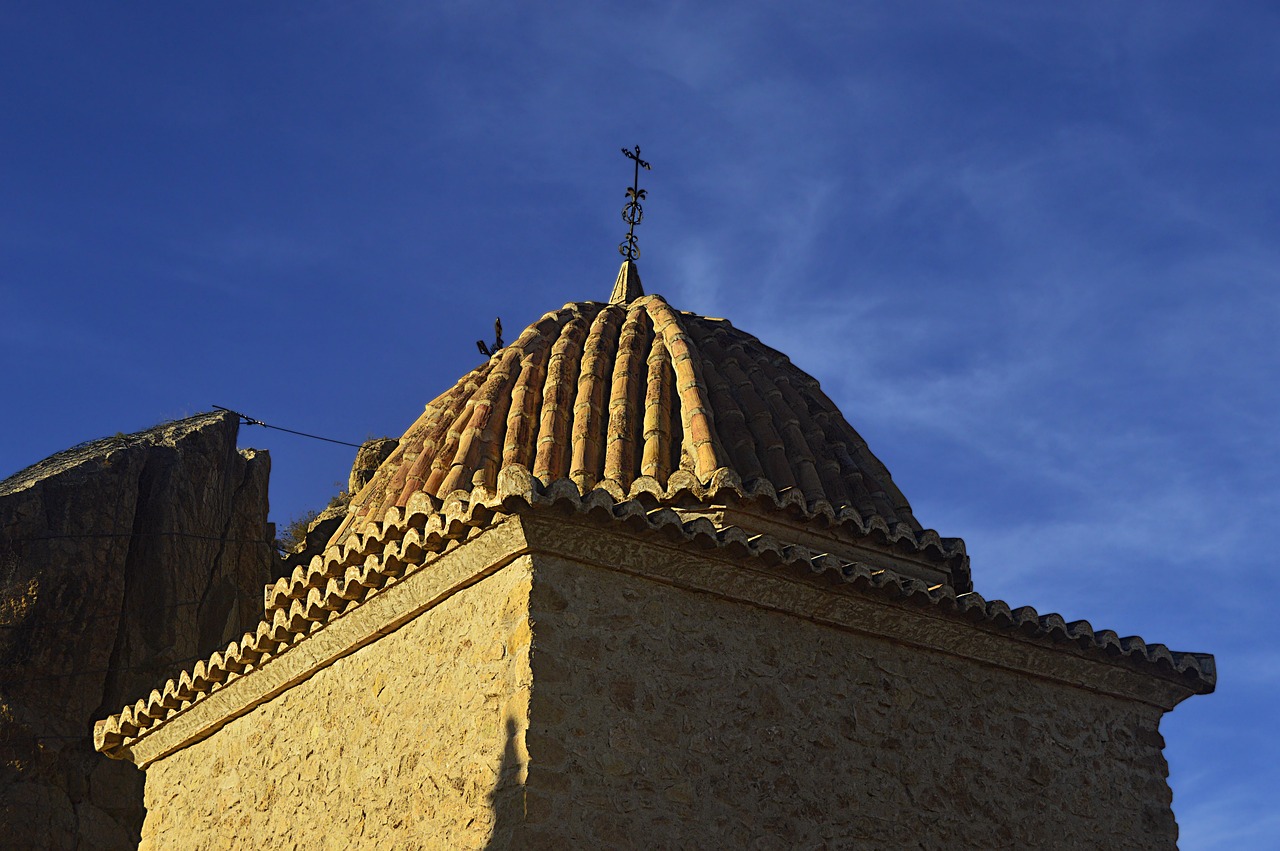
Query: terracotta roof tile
point(625, 396)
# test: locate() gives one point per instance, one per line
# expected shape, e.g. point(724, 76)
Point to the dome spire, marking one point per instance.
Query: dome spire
point(627, 288)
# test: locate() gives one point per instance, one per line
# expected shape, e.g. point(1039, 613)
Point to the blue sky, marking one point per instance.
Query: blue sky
point(1029, 248)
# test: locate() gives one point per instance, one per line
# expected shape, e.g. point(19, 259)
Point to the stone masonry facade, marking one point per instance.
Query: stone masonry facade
point(553, 683)
point(414, 741)
point(693, 721)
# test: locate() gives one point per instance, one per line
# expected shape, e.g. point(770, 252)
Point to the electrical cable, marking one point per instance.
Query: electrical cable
point(248, 420)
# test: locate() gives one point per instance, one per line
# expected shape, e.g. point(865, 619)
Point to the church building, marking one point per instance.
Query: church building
point(634, 582)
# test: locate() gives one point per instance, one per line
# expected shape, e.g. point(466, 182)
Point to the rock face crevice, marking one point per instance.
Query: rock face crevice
point(121, 561)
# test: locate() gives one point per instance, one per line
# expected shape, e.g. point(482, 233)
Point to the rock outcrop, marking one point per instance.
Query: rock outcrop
point(368, 459)
point(320, 528)
point(121, 561)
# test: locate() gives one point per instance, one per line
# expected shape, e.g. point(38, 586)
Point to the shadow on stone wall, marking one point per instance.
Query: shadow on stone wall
point(507, 798)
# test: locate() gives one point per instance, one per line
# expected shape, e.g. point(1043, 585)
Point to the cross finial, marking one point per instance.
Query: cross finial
point(632, 212)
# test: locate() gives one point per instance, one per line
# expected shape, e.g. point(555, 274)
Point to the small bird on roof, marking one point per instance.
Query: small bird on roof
point(486, 349)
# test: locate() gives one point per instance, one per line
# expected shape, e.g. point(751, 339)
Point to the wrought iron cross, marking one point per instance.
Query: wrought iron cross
point(632, 212)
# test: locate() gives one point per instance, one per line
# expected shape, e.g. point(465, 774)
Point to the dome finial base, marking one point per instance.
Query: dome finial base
point(627, 288)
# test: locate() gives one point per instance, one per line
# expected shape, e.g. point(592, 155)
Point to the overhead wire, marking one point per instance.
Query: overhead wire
point(248, 420)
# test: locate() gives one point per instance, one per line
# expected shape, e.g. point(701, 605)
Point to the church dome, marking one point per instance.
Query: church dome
point(648, 403)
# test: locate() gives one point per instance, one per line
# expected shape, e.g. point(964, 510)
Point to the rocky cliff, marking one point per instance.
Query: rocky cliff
point(121, 560)
point(320, 527)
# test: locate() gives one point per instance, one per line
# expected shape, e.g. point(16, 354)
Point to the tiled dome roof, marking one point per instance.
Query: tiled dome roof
point(643, 401)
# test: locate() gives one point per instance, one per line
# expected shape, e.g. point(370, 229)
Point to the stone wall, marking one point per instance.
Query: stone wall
point(413, 741)
point(120, 561)
point(666, 718)
point(554, 684)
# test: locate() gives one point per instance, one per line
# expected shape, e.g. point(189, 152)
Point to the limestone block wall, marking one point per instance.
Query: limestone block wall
point(662, 717)
point(413, 741)
point(557, 684)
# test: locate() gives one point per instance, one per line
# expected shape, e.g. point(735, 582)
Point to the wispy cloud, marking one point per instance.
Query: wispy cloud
point(1239, 816)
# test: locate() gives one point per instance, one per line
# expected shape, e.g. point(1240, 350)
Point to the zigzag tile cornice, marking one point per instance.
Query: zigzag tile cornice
point(409, 539)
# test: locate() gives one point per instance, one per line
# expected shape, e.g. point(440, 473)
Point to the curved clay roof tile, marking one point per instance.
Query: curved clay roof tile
point(608, 394)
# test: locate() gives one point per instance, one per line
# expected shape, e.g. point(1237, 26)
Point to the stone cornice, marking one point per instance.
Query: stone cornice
point(896, 609)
